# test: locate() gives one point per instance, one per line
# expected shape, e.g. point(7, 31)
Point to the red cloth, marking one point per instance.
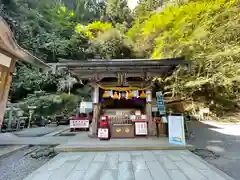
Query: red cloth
point(104, 123)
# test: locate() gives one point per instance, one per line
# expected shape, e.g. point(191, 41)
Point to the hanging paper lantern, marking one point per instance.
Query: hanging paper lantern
point(106, 94)
point(130, 95)
point(115, 96)
point(142, 95)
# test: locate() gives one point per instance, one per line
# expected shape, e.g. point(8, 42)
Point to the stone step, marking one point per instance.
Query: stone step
point(83, 148)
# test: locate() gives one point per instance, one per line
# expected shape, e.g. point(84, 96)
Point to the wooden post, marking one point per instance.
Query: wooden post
point(6, 79)
point(96, 111)
point(151, 125)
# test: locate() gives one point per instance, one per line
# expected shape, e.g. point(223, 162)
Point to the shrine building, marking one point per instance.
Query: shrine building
point(122, 89)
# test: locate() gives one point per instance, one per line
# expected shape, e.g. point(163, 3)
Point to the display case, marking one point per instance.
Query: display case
point(126, 123)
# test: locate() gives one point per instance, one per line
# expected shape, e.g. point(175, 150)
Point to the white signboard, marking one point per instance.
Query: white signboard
point(176, 130)
point(84, 106)
point(141, 128)
point(102, 133)
point(79, 123)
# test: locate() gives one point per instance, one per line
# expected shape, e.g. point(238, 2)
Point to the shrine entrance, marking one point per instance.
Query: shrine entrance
point(122, 90)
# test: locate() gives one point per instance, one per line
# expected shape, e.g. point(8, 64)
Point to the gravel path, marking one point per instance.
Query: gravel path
point(19, 164)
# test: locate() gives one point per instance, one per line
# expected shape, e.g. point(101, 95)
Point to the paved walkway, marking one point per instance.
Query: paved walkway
point(6, 150)
point(30, 136)
point(135, 165)
point(34, 141)
point(39, 131)
point(81, 142)
point(224, 140)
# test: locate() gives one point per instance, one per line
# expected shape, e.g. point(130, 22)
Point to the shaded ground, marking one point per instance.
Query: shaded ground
point(37, 132)
point(22, 163)
point(35, 136)
point(224, 148)
point(5, 150)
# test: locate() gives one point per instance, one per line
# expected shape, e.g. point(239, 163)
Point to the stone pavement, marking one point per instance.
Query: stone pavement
point(127, 165)
point(81, 142)
point(6, 150)
point(29, 137)
point(222, 139)
point(39, 131)
point(55, 140)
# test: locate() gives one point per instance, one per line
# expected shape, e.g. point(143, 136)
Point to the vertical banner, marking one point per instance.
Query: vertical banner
point(160, 103)
point(176, 130)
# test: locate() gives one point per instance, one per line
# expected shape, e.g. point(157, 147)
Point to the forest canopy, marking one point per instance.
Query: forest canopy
point(205, 32)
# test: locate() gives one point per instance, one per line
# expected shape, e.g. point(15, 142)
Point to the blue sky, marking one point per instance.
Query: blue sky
point(132, 3)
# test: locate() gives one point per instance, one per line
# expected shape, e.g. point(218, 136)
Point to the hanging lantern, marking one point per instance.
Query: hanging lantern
point(106, 94)
point(130, 95)
point(142, 95)
point(115, 96)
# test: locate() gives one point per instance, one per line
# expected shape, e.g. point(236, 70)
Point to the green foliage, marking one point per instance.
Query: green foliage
point(66, 83)
point(205, 32)
point(93, 29)
point(118, 11)
point(45, 28)
point(48, 104)
point(112, 45)
point(145, 8)
point(88, 11)
point(28, 80)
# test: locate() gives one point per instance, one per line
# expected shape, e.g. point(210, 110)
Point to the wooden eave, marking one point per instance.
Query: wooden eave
point(10, 48)
point(121, 62)
point(110, 68)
